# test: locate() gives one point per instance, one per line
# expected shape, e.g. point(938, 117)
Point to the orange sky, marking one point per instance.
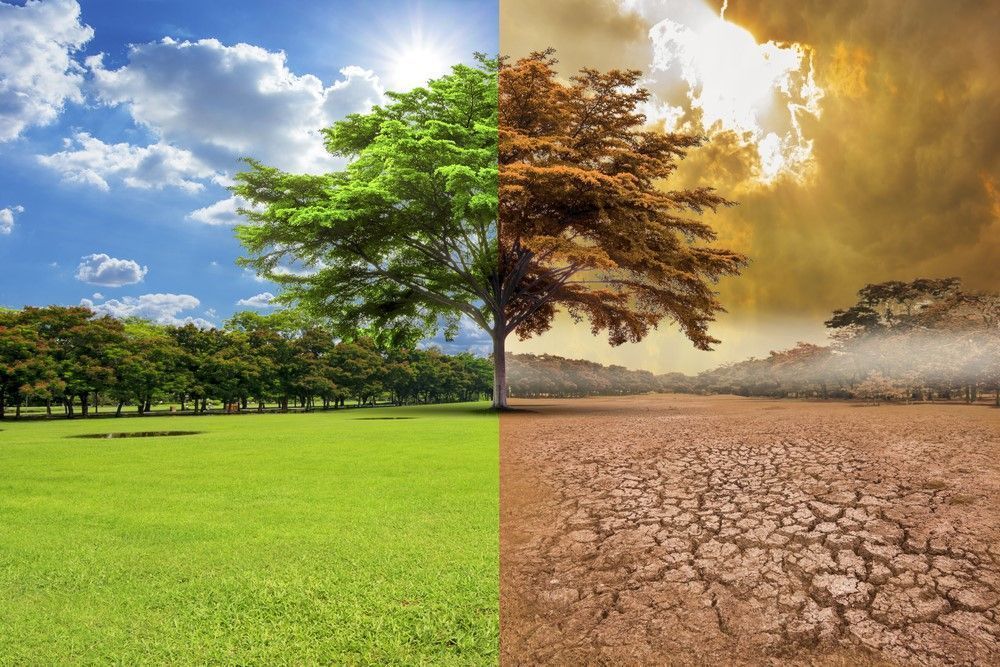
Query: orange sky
point(860, 139)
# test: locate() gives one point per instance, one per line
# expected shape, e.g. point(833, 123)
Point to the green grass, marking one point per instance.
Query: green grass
point(277, 539)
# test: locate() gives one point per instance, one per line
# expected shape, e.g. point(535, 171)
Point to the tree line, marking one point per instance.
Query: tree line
point(928, 339)
point(69, 358)
point(548, 375)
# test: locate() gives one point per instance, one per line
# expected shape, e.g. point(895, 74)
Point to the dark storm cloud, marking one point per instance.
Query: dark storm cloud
point(593, 33)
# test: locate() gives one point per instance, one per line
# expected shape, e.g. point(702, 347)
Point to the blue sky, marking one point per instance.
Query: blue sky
point(122, 121)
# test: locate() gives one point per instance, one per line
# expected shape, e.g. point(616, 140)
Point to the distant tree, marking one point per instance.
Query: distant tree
point(894, 304)
point(988, 362)
point(24, 364)
point(197, 347)
point(357, 369)
point(81, 350)
point(401, 375)
point(315, 351)
point(277, 370)
point(804, 367)
point(474, 376)
point(877, 388)
point(432, 374)
point(43, 383)
point(145, 364)
point(553, 376)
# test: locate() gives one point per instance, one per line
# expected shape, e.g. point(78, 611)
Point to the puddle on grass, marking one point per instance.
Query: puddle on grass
point(133, 434)
point(381, 418)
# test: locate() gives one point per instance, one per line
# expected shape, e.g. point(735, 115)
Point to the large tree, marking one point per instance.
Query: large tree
point(587, 222)
point(403, 240)
point(407, 237)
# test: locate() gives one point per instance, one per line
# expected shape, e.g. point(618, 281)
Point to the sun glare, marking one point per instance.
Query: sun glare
point(733, 82)
point(414, 58)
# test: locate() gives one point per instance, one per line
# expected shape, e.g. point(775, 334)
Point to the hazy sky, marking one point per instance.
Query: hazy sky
point(860, 138)
point(122, 121)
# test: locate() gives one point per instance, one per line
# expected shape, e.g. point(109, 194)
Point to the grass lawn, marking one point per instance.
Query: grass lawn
point(281, 539)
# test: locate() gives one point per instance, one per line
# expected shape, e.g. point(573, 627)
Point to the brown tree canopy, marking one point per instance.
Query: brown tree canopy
point(587, 221)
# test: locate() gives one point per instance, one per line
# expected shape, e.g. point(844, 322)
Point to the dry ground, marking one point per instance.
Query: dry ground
point(721, 530)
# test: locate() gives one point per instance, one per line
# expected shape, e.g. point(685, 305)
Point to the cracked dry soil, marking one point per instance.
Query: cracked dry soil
point(721, 530)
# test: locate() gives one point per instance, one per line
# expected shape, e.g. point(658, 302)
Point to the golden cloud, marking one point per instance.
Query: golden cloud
point(848, 72)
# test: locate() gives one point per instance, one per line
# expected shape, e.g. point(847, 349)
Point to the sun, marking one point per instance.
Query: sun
point(758, 90)
point(419, 42)
point(415, 60)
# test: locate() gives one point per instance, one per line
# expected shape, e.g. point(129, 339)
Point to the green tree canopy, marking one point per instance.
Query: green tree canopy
point(403, 240)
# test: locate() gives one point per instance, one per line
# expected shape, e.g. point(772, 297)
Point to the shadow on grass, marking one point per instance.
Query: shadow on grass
point(133, 434)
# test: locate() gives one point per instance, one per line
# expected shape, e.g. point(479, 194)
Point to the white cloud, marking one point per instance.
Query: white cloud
point(209, 105)
point(357, 92)
point(7, 218)
point(300, 272)
point(262, 300)
point(160, 308)
point(470, 337)
point(708, 75)
point(297, 271)
point(91, 161)
point(222, 212)
point(97, 295)
point(101, 269)
point(37, 71)
point(224, 102)
point(254, 276)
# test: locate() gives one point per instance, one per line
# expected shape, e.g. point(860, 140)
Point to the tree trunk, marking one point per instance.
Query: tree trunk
point(118, 411)
point(499, 369)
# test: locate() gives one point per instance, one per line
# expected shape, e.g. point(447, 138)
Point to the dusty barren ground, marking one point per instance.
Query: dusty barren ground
point(721, 530)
